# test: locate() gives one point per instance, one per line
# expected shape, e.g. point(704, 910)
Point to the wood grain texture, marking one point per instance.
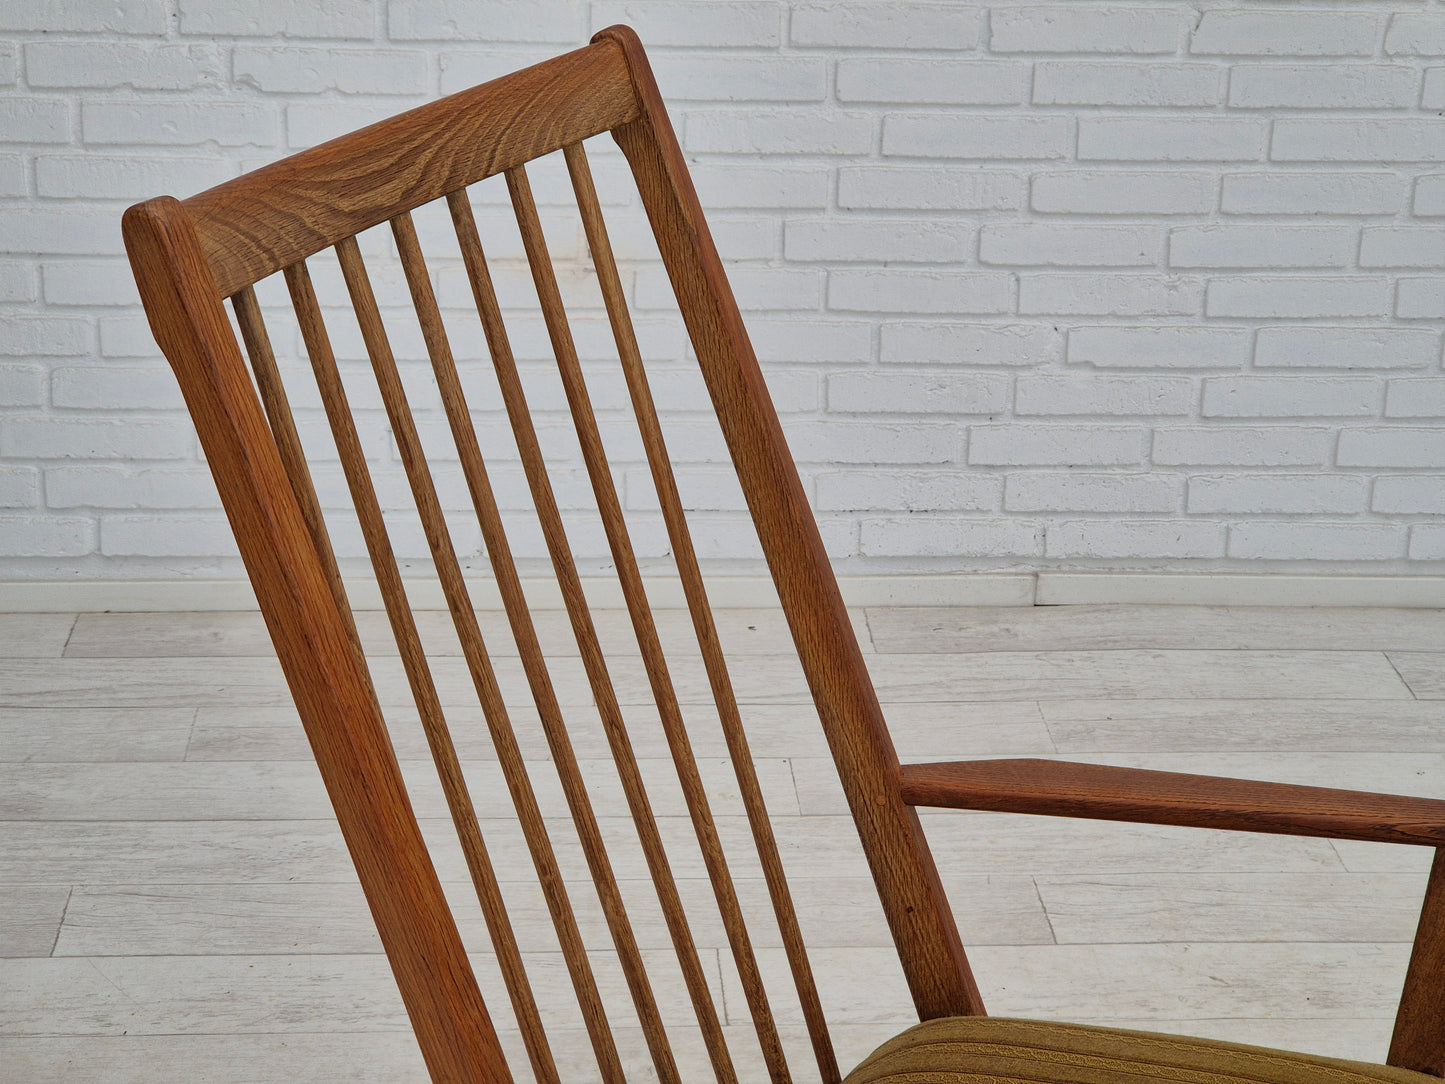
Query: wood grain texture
point(913, 899)
point(267, 220)
point(1066, 789)
point(1419, 1039)
point(332, 693)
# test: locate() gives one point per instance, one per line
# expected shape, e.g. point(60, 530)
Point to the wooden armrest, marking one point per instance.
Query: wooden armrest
point(1063, 789)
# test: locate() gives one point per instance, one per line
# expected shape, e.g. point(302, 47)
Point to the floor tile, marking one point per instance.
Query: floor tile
point(1423, 672)
point(35, 636)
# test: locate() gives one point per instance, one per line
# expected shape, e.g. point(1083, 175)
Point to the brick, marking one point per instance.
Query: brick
point(1420, 299)
point(920, 291)
point(65, 176)
point(1290, 397)
point(1012, 345)
point(174, 535)
point(1317, 541)
point(885, 26)
point(8, 67)
point(34, 120)
point(793, 131)
point(1045, 244)
point(1079, 491)
point(1275, 446)
point(86, 16)
point(22, 386)
point(892, 240)
point(1123, 192)
point(126, 337)
point(1345, 348)
point(1392, 448)
point(811, 339)
point(22, 335)
point(1170, 139)
point(1056, 445)
point(124, 487)
point(310, 123)
point(227, 124)
point(911, 441)
point(17, 281)
point(1322, 86)
point(292, 70)
point(1298, 297)
point(113, 387)
point(917, 188)
point(949, 536)
point(711, 24)
point(83, 233)
point(119, 64)
point(280, 18)
point(1133, 347)
point(1433, 94)
point(89, 282)
point(1409, 494)
point(918, 393)
point(46, 536)
point(1079, 29)
point(720, 186)
point(1265, 494)
point(1374, 140)
point(1286, 33)
point(1073, 82)
point(466, 68)
point(936, 135)
point(96, 438)
point(1313, 193)
point(741, 78)
point(12, 175)
point(1109, 295)
point(1133, 539)
point(1427, 542)
point(1416, 35)
point(909, 491)
point(1421, 398)
point(1261, 246)
point(19, 487)
point(946, 82)
point(1106, 395)
point(1402, 246)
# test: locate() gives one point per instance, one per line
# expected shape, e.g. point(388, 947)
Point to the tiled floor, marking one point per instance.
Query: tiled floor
point(176, 905)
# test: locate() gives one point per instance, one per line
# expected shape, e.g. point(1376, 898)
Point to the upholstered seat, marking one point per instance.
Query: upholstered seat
point(991, 1050)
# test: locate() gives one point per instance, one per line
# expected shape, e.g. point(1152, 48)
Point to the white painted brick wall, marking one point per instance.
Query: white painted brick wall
point(1110, 284)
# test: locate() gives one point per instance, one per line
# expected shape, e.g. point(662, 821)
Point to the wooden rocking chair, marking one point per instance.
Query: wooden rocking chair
point(189, 256)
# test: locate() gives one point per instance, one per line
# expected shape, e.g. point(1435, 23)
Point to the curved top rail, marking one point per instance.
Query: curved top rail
point(255, 225)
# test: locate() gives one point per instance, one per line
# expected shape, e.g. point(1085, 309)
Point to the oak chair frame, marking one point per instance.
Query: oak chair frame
point(191, 255)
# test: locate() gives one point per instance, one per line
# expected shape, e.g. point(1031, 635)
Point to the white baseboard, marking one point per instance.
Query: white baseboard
point(1018, 589)
point(1208, 589)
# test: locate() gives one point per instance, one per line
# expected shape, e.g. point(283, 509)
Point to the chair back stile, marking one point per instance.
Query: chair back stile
point(190, 256)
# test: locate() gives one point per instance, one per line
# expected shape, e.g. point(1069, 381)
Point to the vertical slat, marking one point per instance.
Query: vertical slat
point(917, 910)
point(510, 586)
point(535, 467)
point(332, 696)
point(459, 803)
point(288, 442)
point(1419, 1039)
point(596, 665)
point(655, 663)
point(695, 593)
point(464, 618)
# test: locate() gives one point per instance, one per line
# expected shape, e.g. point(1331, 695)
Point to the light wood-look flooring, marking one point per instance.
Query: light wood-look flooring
point(176, 903)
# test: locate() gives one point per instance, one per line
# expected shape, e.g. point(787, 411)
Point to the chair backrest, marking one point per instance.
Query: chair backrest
point(191, 255)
